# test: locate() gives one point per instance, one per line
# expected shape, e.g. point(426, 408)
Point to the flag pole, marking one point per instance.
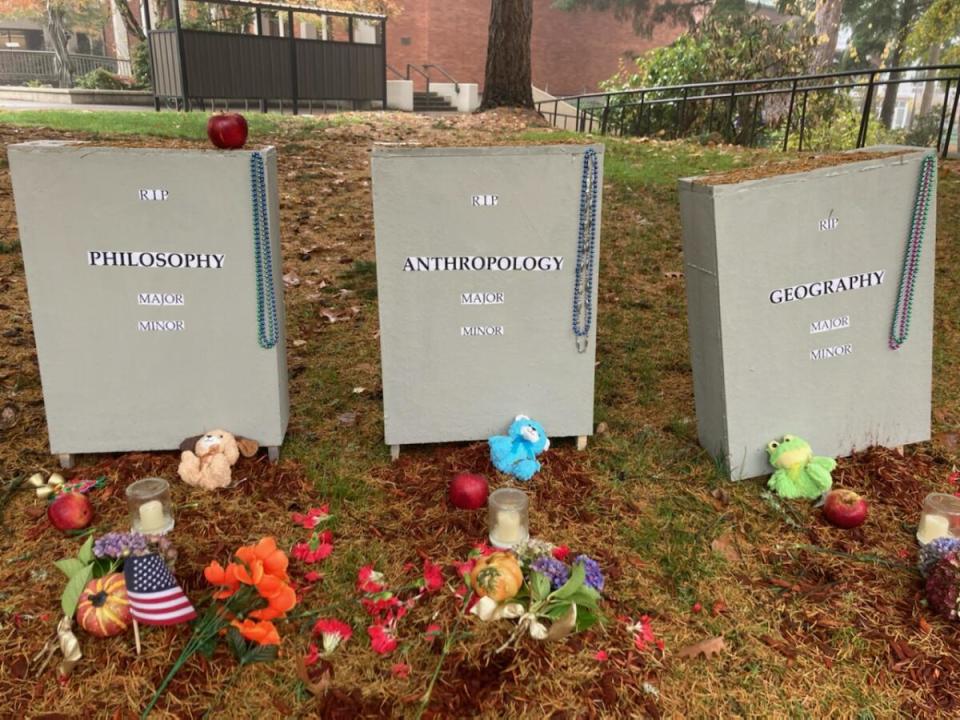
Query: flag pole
point(136, 635)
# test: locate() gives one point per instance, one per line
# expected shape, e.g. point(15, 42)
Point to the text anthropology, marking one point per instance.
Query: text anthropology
point(121, 258)
point(828, 287)
point(463, 263)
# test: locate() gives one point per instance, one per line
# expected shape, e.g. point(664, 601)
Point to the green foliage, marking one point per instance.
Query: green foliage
point(730, 47)
point(100, 79)
point(647, 14)
point(924, 129)
point(140, 66)
point(936, 26)
point(79, 572)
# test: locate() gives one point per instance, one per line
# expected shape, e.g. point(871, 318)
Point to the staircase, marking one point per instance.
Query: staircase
point(431, 102)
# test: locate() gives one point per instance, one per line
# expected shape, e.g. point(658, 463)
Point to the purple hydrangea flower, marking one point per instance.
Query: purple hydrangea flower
point(934, 551)
point(119, 545)
point(553, 569)
point(594, 575)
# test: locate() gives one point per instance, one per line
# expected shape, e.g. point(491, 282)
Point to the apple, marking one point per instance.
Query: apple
point(844, 508)
point(70, 511)
point(227, 130)
point(468, 491)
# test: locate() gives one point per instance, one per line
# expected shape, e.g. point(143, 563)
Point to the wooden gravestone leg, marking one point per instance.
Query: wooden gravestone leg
point(136, 636)
point(66, 460)
point(273, 453)
point(581, 442)
point(394, 452)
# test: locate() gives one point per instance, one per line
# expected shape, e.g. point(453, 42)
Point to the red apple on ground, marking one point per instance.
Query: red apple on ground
point(70, 511)
point(844, 508)
point(468, 491)
point(227, 130)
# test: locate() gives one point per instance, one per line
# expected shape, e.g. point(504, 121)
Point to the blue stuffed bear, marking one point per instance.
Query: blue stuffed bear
point(516, 452)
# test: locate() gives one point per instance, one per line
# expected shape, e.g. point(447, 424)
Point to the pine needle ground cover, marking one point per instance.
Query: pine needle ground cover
point(761, 609)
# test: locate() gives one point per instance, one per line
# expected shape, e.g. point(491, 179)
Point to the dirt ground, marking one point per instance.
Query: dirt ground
point(815, 622)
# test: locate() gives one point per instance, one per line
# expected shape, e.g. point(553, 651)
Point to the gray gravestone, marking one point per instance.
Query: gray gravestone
point(143, 290)
point(477, 253)
point(792, 285)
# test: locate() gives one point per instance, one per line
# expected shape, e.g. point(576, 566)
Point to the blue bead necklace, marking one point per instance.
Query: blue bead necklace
point(586, 250)
point(267, 325)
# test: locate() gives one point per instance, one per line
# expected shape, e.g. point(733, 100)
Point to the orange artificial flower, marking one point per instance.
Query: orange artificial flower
point(278, 603)
point(264, 554)
point(262, 633)
point(217, 575)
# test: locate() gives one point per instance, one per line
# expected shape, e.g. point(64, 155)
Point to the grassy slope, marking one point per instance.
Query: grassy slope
point(648, 456)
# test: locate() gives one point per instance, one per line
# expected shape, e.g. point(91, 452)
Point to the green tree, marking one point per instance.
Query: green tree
point(647, 14)
point(61, 18)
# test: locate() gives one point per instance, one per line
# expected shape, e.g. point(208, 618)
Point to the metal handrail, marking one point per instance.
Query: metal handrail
point(591, 107)
point(395, 71)
point(419, 71)
point(448, 76)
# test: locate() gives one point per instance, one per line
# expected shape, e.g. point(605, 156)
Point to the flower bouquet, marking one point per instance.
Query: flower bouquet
point(534, 584)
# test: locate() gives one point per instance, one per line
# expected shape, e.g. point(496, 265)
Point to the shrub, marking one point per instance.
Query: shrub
point(140, 65)
point(100, 79)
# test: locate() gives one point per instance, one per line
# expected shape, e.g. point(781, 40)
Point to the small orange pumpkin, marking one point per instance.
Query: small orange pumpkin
point(497, 576)
point(104, 608)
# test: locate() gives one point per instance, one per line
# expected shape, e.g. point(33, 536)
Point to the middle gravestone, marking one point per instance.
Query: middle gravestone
point(487, 266)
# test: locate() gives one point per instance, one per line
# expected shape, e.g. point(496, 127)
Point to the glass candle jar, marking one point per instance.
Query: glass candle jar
point(151, 512)
point(940, 517)
point(508, 517)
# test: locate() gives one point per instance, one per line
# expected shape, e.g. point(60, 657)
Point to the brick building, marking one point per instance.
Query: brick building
point(572, 51)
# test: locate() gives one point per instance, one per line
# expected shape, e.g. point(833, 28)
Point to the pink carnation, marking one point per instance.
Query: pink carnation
point(382, 639)
point(333, 632)
point(314, 517)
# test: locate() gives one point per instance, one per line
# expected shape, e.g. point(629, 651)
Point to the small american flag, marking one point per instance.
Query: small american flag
point(155, 596)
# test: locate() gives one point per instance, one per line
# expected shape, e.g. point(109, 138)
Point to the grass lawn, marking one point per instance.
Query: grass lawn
point(816, 622)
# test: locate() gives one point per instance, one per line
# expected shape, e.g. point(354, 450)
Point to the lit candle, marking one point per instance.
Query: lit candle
point(508, 529)
point(151, 517)
point(933, 527)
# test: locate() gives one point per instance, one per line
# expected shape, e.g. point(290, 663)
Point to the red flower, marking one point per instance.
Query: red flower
point(643, 634)
point(465, 568)
point(313, 654)
point(314, 517)
point(380, 603)
point(400, 670)
point(561, 552)
point(482, 550)
point(369, 580)
point(433, 633)
point(333, 632)
point(432, 577)
point(319, 548)
point(600, 656)
point(382, 639)
point(313, 576)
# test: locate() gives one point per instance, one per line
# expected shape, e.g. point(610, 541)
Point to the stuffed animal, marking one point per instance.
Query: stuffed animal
point(206, 459)
point(799, 474)
point(516, 452)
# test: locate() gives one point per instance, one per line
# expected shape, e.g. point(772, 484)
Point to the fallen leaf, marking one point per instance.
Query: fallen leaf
point(602, 428)
point(291, 279)
point(708, 648)
point(726, 545)
point(673, 275)
point(319, 685)
point(299, 343)
point(949, 440)
point(347, 418)
point(358, 390)
point(8, 417)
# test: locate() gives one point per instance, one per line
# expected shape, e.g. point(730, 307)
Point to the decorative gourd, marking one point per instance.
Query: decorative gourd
point(497, 576)
point(104, 608)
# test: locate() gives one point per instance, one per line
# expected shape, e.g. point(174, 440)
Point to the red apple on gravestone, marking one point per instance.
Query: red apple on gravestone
point(844, 508)
point(70, 511)
point(468, 491)
point(227, 130)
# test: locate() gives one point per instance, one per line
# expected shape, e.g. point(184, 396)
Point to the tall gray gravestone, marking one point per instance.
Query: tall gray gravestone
point(156, 293)
point(482, 314)
point(797, 324)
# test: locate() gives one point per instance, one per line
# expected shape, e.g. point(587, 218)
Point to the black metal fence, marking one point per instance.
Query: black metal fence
point(191, 67)
point(771, 111)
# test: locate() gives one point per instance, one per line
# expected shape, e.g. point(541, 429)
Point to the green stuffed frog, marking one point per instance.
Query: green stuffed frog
point(799, 474)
